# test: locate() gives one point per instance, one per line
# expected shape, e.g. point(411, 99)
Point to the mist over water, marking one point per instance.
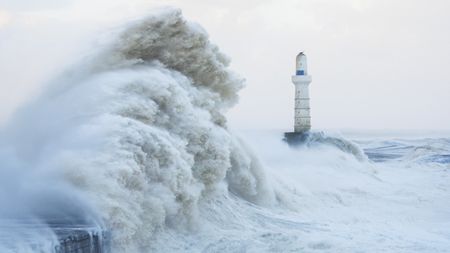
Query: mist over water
point(134, 139)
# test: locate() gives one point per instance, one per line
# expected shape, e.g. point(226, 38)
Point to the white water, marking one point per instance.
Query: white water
point(400, 204)
point(134, 139)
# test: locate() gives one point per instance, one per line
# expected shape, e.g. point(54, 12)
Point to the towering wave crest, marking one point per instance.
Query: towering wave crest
point(138, 129)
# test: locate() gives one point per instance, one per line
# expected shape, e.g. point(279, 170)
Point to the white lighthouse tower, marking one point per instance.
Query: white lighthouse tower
point(302, 118)
point(301, 80)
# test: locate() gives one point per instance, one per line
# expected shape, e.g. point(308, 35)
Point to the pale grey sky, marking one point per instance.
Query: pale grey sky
point(376, 64)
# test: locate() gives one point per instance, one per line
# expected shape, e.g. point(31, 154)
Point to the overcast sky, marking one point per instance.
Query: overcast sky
point(376, 64)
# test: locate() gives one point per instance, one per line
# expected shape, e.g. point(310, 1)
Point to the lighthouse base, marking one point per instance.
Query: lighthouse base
point(315, 139)
point(296, 138)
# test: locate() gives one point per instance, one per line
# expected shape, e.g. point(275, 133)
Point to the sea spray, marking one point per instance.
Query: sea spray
point(138, 130)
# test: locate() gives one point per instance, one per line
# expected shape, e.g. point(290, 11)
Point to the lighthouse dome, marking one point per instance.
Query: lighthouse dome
point(301, 67)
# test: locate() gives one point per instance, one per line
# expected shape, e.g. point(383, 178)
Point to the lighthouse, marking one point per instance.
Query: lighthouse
point(301, 80)
point(302, 116)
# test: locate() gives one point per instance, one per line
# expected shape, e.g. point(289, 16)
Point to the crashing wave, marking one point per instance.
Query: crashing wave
point(139, 130)
point(315, 139)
